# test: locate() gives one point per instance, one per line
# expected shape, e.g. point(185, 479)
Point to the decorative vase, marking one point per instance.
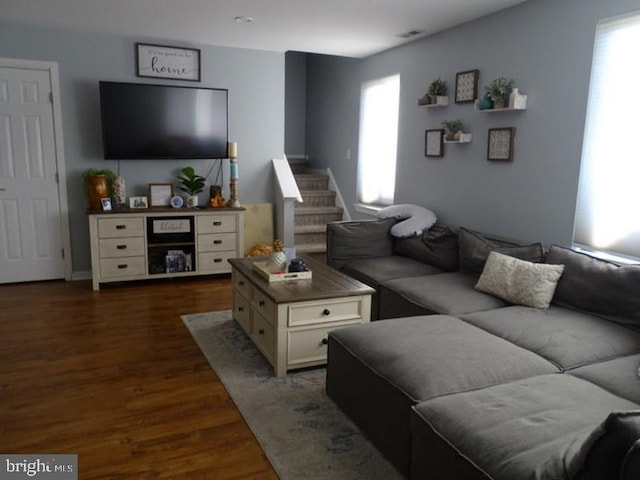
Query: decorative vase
point(278, 257)
point(485, 103)
point(456, 136)
point(96, 188)
point(192, 201)
point(119, 191)
point(498, 103)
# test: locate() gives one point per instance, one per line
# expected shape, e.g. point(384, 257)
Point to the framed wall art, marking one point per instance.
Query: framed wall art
point(160, 61)
point(500, 144)
point(467, 86)
point(434, 143)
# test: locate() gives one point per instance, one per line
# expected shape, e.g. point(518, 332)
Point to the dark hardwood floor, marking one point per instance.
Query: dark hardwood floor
point(115, 377)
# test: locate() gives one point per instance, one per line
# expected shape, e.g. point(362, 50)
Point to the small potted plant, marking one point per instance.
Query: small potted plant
point(438, 92)
point(498, 91)
point(192, 185)
point(453, 128)
point(97, 185)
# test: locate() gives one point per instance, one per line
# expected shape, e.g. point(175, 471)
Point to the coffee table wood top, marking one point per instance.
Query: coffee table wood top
point(326, 282)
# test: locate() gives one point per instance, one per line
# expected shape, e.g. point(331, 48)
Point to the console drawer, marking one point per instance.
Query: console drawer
point(217, 242)
point(118, 227)
point(215, 262)
point(122, 267)
point(308, 313)
point(310, 344)
point(121, 247)
point(216, 223)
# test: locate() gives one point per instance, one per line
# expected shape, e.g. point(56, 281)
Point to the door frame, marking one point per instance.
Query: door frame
point(52, 69)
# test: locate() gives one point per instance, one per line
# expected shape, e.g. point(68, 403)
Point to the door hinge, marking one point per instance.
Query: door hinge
point(63, 253)
point(57, 177)
point(51, 97)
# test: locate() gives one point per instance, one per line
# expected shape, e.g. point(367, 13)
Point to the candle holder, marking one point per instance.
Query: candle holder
point(233, 178)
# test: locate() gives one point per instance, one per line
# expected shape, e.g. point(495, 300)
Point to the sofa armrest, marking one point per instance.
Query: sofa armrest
point(358, 239)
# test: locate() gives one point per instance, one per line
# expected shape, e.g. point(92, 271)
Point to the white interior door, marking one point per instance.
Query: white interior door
point(31, 240)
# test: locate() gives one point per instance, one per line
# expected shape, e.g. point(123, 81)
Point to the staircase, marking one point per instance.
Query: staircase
point(318, 209)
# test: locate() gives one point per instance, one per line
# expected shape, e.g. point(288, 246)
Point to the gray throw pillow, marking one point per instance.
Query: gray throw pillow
point(474, 249)
point(355, 240)
point(437, 246)
point(596, 286)
point(609, 450)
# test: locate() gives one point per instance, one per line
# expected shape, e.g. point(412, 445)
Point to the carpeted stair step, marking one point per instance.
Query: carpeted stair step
point(306, 234)
point(312, 181)
point(311, 248)
point(316, 215)
point(298, 163)
point(319, 198)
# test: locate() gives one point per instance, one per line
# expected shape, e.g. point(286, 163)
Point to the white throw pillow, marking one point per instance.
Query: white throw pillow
point(417, 219)
point(518, 281)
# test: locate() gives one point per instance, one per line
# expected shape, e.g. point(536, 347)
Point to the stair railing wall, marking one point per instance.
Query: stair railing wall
point(287, 194)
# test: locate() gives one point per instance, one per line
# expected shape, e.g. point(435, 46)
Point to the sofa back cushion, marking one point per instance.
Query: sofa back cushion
point(355, 240)
point(474, 249)
point(610, 451)
point(437, 246)
point(596, 286)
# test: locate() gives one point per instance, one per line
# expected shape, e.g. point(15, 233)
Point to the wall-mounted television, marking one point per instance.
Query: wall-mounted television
point(147, 121)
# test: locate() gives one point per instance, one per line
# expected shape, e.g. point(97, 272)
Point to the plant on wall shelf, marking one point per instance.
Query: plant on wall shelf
point(498, 91)
point(437, 88)
point(453, 128)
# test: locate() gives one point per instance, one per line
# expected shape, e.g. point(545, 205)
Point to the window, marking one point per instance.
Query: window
point(378, 142)
point(608, 208)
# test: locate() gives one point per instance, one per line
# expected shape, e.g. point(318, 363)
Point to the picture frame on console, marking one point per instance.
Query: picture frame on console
point(138, 202)
point(106, 204)
point(162, 61)
point(160, 194)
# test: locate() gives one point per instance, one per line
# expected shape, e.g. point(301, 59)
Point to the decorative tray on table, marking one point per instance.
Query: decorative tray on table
point(265, 270)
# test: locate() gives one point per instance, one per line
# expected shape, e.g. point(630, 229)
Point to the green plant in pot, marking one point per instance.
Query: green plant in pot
point(192, 185)
point(437, 88)
point(97, 185)
point(453, 129)
point(498, 91)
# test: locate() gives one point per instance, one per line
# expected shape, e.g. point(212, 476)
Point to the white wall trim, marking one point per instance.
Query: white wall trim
point(52, 69)
point(368, 209)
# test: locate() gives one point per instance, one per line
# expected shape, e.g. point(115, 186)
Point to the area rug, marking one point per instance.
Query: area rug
point(302, 432)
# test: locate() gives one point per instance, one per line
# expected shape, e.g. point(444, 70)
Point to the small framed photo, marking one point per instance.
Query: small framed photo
point(467, 86)
point(160, 194)
point(160, 61)
point(434, 143)
point(138, 202)
point(500, 144)
point(106, 204)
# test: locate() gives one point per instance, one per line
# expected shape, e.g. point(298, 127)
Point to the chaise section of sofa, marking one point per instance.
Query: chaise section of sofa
point(376, 374)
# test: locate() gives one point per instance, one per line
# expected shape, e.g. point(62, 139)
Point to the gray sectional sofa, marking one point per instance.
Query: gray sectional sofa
point(458, 384)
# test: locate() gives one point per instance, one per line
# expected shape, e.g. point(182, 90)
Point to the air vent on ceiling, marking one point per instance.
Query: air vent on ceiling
point(410, 34)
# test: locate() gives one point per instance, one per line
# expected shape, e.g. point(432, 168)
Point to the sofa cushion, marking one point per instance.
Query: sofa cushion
point(597, 286)
point(606, 450)
point(474, 248)
point(414, 218)
point(619, 376)
point(374, 271)
point(518, 281)
point(568, 338)
point(530, 428)
point(447, 293)
point(347, 241)
point(437, 246)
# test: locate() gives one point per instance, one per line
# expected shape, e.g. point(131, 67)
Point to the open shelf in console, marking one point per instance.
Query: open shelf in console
point(170, 244)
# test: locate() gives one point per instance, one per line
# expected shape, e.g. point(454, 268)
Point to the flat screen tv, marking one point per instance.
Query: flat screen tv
point(146, 121)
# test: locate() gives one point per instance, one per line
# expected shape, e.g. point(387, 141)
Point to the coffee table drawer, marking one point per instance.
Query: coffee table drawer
point(263, 305)
point(241, 284)
point(336, 310)
point(263, 336)
point(310, 344)
point(242, 311)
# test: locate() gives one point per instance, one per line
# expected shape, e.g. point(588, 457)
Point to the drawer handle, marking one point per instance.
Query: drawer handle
point(122, 266)
point(261, 303)
point(325, 341)
point(217, 260)
point(121, 247)
point(120, 227)
point(326, 311)
point(217, 242)
point(240, 309)
point(261, 331)
point(217, 224)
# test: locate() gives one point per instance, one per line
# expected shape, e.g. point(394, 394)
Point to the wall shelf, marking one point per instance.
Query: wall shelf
point(464, 138)
point(442, 101)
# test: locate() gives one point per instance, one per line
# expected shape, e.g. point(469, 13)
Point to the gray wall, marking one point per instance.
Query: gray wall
point(295, 103)
point(255, 80)
point(546, 46)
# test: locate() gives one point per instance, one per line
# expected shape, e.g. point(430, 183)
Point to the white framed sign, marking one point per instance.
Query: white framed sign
point(160, 61)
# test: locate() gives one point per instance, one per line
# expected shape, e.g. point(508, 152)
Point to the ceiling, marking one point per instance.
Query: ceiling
point(352, 28)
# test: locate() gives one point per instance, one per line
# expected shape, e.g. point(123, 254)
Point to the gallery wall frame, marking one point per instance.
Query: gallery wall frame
point(163, 61)
point(500, 144)
point(434, 142)
point(467, 86)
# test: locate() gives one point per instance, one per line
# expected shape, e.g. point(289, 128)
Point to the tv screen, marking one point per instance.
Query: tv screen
point(145, 121)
